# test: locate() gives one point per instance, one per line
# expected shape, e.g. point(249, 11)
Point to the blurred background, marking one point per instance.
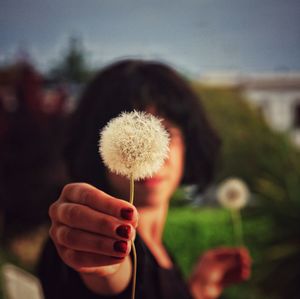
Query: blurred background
point(241, 57)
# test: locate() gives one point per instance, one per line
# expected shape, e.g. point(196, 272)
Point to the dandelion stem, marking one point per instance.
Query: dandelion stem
point(237, 226)
point(131, 189)
point(133, 246)
point(134, 271)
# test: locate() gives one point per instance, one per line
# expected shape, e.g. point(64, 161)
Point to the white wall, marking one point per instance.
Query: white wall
point(277, 106)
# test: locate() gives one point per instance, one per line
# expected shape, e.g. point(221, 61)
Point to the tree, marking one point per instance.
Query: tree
point(73, 67)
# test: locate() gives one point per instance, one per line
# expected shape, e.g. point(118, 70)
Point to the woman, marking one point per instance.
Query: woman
point(92, 222)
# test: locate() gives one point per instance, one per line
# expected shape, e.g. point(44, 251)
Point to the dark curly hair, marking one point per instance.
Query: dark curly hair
point(138, 84)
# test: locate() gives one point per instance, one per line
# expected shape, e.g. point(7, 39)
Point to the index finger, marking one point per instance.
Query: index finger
point(223, 253)
point(85, 194)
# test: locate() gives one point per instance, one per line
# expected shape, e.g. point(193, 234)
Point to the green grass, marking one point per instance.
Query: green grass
point(189, 232)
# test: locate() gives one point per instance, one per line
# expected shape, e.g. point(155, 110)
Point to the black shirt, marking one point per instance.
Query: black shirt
point(153, 282)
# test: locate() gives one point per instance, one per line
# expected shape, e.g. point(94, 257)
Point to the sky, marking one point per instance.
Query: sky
point(197, 36)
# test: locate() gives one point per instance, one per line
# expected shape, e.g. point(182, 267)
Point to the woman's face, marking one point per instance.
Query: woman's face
point(158, 189)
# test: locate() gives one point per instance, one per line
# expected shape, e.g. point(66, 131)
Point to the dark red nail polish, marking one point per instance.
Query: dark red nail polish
point(120, 246)
point(123, 231)
point(127, 213)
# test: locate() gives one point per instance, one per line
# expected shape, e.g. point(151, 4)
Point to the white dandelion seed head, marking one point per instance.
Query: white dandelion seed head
point(233, 194)
point(134, 144)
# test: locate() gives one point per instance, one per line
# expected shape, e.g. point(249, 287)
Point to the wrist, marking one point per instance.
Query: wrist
point(111, 281)
point(202, 289)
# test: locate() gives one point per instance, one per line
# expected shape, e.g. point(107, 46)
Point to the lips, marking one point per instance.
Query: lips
point(150, 182)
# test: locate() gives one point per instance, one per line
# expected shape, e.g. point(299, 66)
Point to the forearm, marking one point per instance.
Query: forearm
point(110, 284)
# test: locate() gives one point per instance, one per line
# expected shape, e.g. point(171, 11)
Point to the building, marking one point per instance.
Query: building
point(276, 95)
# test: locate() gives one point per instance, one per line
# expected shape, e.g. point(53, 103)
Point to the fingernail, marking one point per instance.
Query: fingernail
point(127, 213)
point(123, 231)
point(120, 246)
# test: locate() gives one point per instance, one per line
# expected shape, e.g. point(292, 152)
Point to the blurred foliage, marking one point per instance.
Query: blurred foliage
point(279, 272)
point(265, 159)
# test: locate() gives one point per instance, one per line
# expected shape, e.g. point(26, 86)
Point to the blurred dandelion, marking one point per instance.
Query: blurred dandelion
point(134, 145)
point(233, 194)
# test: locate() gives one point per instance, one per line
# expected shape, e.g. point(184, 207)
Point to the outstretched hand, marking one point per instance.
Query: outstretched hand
point(219, 268)
point(92, 231)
